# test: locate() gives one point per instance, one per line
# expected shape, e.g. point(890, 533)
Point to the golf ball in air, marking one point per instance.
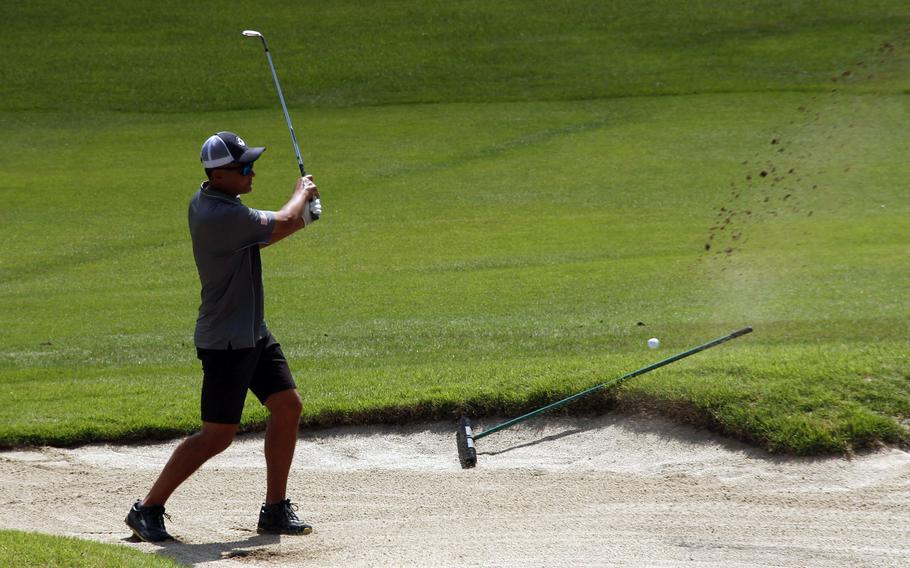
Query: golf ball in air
point(653, 343)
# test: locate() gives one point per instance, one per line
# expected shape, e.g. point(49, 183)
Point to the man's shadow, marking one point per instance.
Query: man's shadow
point(191, 553)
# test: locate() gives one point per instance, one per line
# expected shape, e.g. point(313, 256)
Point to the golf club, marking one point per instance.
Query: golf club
point(465, 437)
point(287, 117)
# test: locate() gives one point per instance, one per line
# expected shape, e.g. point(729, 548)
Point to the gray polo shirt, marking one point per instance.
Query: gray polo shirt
point(226, 237)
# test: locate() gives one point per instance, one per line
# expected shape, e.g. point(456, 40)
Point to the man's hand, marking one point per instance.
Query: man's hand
point(294, 215)
point(308, 187)
point(312, 209)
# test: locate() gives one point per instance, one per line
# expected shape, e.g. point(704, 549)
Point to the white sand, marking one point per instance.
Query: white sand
point(608, 491)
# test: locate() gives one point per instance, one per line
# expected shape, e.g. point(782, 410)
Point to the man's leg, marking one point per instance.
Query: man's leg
point(226, 376)
point(274, 386)
point(146, 518)
point(188, 457)
point(280, 441)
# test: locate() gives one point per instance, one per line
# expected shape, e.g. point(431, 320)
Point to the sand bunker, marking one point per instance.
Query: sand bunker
point(607, 491)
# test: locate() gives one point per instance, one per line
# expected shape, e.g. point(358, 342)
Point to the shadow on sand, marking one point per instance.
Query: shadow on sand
point(648, 424)
point(255, 546)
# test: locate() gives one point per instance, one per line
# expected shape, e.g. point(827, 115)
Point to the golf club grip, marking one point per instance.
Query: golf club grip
point(619, 380)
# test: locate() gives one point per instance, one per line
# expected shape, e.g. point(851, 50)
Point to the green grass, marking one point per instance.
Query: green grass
point(489, 252)
point(176, 56)
point(32, 550)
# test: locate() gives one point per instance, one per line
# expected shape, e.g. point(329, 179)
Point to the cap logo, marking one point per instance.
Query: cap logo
point(240, 142)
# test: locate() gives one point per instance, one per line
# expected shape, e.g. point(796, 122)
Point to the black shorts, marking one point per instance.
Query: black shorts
point(228, 373)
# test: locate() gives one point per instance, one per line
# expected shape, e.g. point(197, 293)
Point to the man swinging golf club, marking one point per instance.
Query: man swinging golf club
point(237, 350)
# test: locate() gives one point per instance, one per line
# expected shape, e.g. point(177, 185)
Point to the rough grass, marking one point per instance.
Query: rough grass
point(32, 550)
point(487, 255)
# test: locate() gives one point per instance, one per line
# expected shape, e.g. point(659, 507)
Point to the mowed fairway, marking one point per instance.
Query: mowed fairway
point(480, 256)
point(512, 231)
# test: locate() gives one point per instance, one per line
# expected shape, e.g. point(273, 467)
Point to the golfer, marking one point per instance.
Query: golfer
point(237, 350)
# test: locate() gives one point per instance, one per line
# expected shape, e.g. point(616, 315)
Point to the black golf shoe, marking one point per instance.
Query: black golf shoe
point(148, 522)
point(281, 518)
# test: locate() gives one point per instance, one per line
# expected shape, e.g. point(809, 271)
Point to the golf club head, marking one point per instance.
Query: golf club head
point(254, 33)
point(467, 453)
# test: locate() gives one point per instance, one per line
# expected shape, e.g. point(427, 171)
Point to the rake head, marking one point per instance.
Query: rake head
point(467, 454)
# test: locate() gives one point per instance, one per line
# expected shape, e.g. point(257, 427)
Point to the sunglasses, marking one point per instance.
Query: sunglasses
point(245, 170)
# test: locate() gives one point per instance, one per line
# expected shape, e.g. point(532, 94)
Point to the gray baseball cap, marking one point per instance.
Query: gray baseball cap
point(226, 147)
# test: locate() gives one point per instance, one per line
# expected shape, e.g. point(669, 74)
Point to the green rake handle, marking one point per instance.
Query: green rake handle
point(614, 382)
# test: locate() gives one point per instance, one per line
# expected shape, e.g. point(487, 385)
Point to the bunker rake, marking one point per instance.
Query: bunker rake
point(467, 452)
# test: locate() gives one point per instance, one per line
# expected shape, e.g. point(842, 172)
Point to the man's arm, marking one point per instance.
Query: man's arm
point(289, 219)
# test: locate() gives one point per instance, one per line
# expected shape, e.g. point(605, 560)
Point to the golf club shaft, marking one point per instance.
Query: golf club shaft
point(614, 382)
point(284, 107)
